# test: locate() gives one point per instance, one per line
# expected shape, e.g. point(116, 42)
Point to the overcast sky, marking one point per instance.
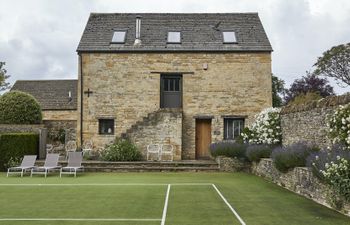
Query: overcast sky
point(38, 38)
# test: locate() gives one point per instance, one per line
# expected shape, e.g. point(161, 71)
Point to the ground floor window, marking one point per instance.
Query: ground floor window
point(106, 126)
point(233, 128)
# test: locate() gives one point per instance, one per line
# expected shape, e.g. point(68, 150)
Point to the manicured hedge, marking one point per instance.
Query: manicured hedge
point(16, 145)
point(19, 108)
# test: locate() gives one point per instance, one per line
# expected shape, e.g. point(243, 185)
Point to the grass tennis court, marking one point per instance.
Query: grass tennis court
point(156, 198)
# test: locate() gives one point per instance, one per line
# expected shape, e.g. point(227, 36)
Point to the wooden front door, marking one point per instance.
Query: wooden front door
point(203, 138)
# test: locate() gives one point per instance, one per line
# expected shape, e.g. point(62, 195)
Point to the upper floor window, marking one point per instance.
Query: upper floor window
point(174, 37)
point(229, 37)
point(233, 128)
point(119, 37)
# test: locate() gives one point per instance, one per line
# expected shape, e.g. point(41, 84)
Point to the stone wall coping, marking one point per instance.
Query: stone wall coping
point(327, 102)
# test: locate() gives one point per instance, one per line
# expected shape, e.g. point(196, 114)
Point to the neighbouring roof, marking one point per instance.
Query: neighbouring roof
point(199, 32)
point(51, 94)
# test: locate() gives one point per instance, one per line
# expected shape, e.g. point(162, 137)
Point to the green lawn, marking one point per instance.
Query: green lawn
point(139, 198)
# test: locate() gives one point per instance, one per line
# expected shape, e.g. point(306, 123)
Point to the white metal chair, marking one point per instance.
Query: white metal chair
point(153, 149)
point(167, 149)
point(49, 148)
point(71, 146)
point(87, 147)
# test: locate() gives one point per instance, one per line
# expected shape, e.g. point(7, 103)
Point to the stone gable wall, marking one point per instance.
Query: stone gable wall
point(308, 122)
point(126, 87)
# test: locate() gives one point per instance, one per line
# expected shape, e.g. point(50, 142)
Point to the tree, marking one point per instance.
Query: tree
point(19, 108)
point(3, 84)
point(277, 89)
point(309, 83)
point(335, 63)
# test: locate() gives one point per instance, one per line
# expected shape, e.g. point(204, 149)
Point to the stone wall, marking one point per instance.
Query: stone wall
point(21, 128)
point(227, 164)
point(308, 122)
point(299, 180)
point(126, 87)
point(64, 115)
point(69, 126)
point(161, 127)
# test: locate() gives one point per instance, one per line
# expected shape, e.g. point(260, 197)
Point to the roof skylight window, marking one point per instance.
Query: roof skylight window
point(174, 37)
point(229, 37)
point(119, 37)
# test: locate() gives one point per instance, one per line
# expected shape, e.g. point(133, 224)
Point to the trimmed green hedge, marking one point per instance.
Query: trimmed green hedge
point(14, 146)
point(19, 108)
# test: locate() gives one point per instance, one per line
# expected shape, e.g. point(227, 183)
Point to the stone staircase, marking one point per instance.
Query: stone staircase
point(163, 126)
point(150, 120)
point(148, 166)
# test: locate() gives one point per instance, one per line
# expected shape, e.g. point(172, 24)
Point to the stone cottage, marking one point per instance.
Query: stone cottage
point(58, 101)
point(182, 79)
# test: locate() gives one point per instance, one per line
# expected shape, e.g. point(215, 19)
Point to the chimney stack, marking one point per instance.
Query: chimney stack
point(138, 31)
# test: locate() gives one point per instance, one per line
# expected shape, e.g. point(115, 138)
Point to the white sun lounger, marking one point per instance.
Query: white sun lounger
point(27, 164)
point(74, 164)
point(51, 163)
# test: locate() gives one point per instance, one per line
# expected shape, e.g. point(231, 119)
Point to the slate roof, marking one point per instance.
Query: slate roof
point(198, 32)
point(51, 94)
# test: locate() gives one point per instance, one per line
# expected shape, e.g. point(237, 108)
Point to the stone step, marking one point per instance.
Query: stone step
point(151, 169)
point(140, 166)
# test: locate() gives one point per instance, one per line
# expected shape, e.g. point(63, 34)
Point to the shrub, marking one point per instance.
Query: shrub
point(121, 150)
point(266, 128)
point(333, 166)
point(19, 108)
point(57, 135)
point(304, 98)
point(229, 149)
point(14, 146)
point(291, 156)
point(339, 125)
point(255, 152)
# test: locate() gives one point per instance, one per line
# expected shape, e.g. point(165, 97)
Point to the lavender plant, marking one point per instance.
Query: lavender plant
point(229, 149)
point(288, 157)
point(255, 152)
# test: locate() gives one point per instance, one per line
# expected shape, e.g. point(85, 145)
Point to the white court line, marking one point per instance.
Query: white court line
point(165, 205)
point(228, 204)
point(112, 184)
point(76, 219)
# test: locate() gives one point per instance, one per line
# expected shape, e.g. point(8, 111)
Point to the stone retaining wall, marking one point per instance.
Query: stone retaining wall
point(299, 180)
point(308, 122)
point(227, 164)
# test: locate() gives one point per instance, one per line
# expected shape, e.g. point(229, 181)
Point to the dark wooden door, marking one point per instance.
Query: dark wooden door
point(203, 138)
point(171, 91)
